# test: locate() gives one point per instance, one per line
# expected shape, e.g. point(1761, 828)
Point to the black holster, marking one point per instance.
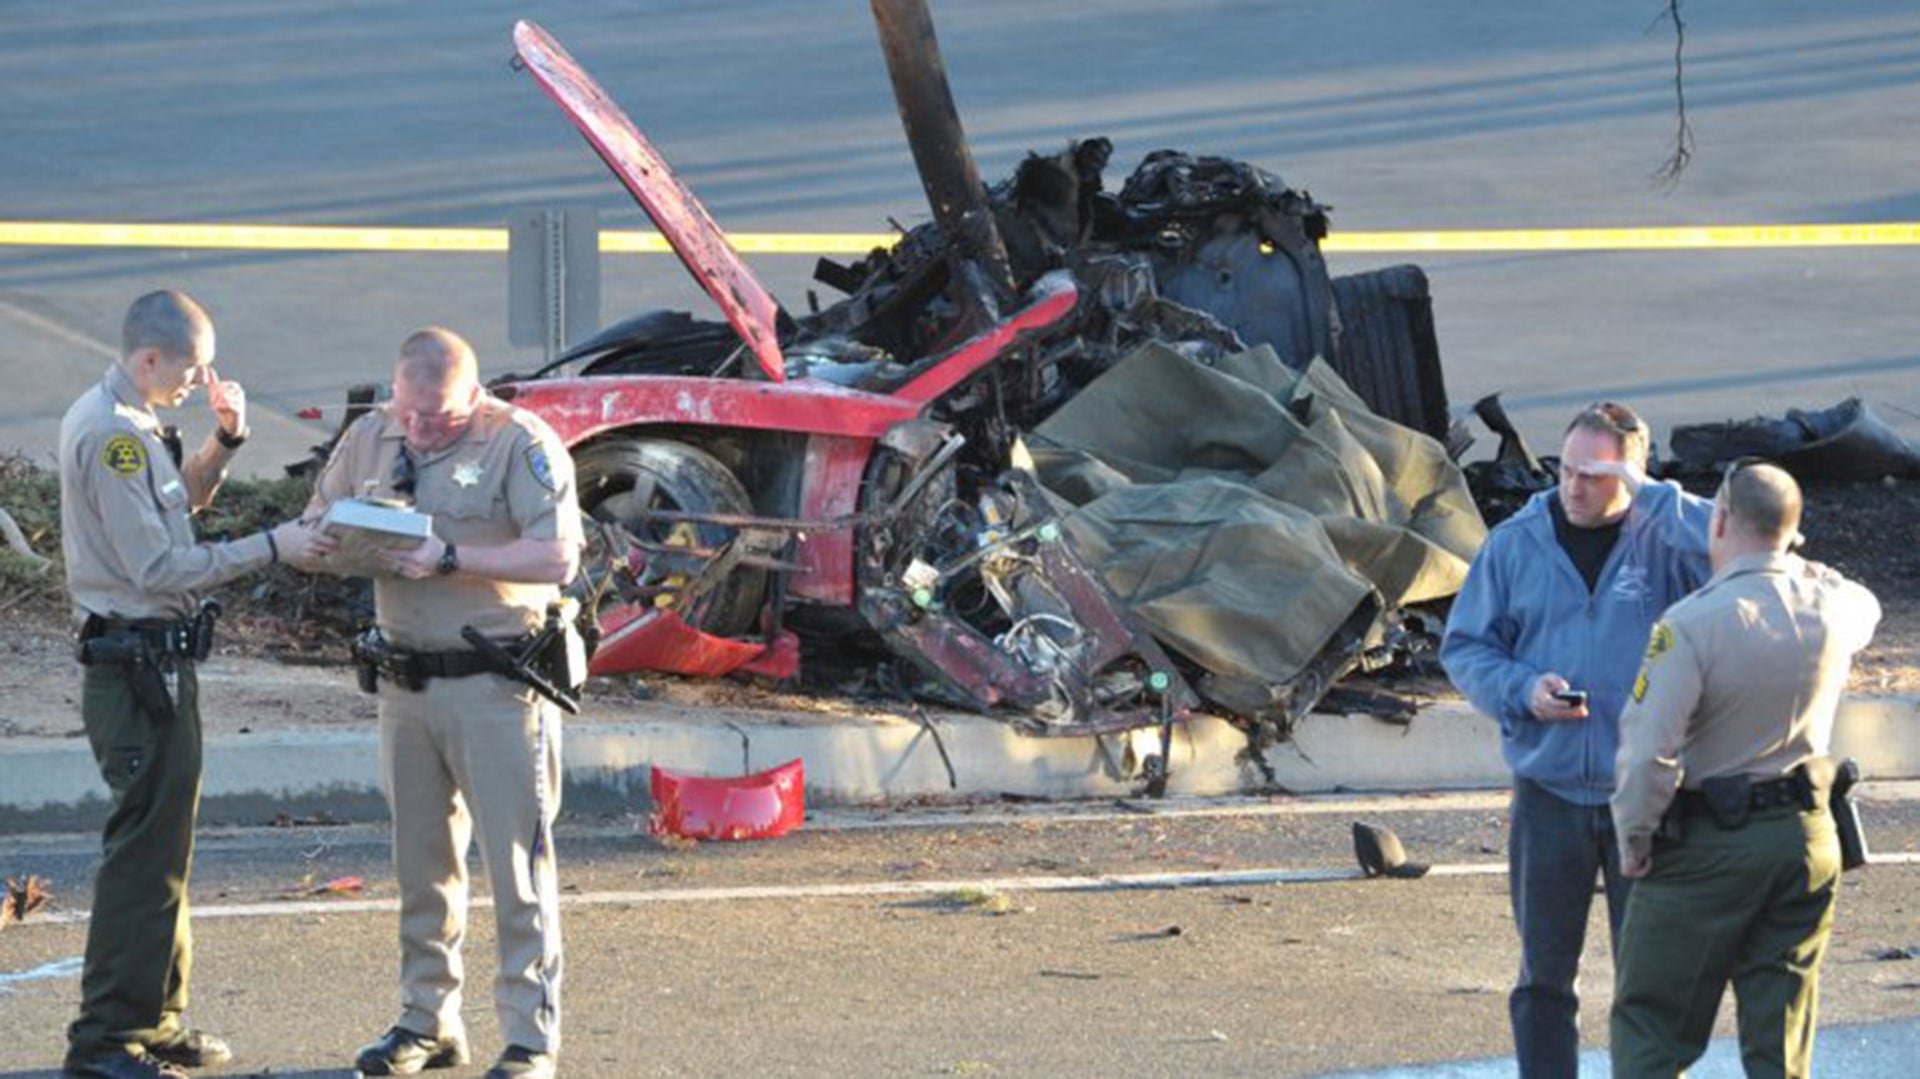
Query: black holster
point(1673, 823)
point(1838, 778)
point(140, 663)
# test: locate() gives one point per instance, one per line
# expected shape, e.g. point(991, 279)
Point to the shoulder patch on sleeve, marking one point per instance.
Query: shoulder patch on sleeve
point(541, 468)
point(1660, 642)
point(123, 455)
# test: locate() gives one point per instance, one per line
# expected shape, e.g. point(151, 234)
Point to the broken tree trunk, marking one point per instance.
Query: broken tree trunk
point(934, 132)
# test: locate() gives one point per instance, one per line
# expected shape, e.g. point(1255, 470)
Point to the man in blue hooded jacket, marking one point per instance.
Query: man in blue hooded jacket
point(1546, 637)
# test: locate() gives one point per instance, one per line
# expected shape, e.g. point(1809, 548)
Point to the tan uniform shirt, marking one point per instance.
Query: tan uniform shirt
point(507, 477)
point(1743, 676)
point(126, 509)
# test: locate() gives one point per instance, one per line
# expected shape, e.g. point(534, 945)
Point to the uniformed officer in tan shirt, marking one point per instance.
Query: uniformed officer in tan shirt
point(1728, 730)
point(467, 751)
point(135, 572)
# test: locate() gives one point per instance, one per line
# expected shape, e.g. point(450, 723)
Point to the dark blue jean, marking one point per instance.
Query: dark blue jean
point(1555, 851)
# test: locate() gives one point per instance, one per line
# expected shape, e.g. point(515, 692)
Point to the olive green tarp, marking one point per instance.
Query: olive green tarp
point(1245, 511)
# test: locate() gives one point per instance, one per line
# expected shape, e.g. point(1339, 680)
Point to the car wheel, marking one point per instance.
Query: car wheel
point(1386, 350)
point(620, 482)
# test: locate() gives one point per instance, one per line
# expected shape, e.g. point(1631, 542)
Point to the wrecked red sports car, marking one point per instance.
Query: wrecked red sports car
point(851, 475)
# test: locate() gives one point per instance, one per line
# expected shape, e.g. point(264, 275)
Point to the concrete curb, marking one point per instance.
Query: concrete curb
point(52, 784)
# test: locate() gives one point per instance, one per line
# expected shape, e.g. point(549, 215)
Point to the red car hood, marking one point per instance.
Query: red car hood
point(675, 211)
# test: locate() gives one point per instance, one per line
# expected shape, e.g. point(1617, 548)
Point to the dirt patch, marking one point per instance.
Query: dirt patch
point(1871, 532)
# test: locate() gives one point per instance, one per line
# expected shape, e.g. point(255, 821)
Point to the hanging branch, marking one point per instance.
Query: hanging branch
point(1667, 176)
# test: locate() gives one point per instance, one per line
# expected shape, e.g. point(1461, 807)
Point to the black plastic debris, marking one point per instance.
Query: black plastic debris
point(1381, 855)
point(1501, 486)
point(1845, 442)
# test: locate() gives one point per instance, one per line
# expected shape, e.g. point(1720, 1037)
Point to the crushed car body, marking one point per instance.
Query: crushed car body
point(862, 471)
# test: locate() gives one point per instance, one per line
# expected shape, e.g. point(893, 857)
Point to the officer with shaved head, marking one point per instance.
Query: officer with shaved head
point(1726, 738)
point(136, 573)
point(463, 749)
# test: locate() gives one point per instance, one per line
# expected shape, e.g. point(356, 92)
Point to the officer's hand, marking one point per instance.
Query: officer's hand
point(301, 543)
point(1545, 708)
point(229, 403)
point(1629, 474)
point(419, 562)
point(1636, 868)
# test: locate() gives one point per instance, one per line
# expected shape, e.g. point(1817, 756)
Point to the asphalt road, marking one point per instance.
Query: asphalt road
point(1404, 114)
point(924, 943)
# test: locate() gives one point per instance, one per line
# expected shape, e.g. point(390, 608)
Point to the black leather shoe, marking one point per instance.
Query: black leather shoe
point(519, 1062)
point(191, 1049)
point(403, 1052)
point(129, 1063)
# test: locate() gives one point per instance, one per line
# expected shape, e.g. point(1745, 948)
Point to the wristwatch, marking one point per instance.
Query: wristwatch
point(232, 442)
point(449, 560)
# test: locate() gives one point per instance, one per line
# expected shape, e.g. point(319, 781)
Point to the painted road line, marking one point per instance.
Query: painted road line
point(59, 968)
point(1114, 882)
point(493, 240)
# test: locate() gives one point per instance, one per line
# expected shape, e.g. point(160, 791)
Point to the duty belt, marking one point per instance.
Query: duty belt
point(161, 639)
point(1793, 790)
point(410, 669)
point(165, 637)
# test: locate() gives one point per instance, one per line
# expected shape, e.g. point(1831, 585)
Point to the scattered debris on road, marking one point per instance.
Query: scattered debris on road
point(25, 896)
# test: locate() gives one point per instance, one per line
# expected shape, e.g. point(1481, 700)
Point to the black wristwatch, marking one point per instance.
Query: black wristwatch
point(232, 442)
point(449, 560)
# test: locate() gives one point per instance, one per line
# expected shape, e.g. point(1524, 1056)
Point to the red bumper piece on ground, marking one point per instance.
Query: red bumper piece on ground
point(759, 806)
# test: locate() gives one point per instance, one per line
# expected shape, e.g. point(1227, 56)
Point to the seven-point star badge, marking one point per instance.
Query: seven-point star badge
point(466, 473)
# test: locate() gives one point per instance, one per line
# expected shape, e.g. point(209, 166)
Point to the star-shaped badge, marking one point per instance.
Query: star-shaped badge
point(466, 473)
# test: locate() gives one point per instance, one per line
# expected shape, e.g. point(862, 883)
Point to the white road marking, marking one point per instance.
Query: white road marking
point(60, 968)
point(54, 329)
point(1117, 882)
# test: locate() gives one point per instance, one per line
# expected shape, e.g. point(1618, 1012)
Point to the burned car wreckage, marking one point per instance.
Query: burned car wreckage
point(917, 468)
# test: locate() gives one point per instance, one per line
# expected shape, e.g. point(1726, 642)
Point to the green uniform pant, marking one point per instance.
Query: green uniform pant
point(139, 945)
point(1753, 907)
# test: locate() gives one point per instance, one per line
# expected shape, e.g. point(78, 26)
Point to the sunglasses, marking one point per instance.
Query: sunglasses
point(405, 473)
point(1738, 465)
point(1617, 416)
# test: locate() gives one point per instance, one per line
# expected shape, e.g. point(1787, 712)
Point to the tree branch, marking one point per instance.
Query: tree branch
point(1667, 176)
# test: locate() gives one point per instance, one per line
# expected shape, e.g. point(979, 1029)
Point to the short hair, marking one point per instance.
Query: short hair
point(437, 356)
point(1629, 431)
point(1761, 499)
point(167, 320)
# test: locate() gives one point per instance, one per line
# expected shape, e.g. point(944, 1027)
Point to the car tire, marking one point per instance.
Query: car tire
point(1386, 349)
point(618, 479)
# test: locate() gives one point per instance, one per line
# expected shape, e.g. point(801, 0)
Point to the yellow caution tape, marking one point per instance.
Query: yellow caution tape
point(249, 237)
point(1893, 233)
point(347, 238)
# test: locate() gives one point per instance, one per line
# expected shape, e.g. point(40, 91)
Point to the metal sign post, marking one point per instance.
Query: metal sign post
point(553, 277)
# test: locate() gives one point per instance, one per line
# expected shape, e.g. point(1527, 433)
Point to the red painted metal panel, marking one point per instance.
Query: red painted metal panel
point(675, 211)
point(656, 639)
point(829, 488)
point(579, 408)
point(759, 806)
point(1053, 298)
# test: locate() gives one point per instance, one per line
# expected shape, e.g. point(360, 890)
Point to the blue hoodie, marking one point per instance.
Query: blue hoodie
point(1525, 610)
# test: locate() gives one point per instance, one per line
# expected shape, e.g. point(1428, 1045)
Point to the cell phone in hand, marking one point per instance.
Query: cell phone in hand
point(1572, 698)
